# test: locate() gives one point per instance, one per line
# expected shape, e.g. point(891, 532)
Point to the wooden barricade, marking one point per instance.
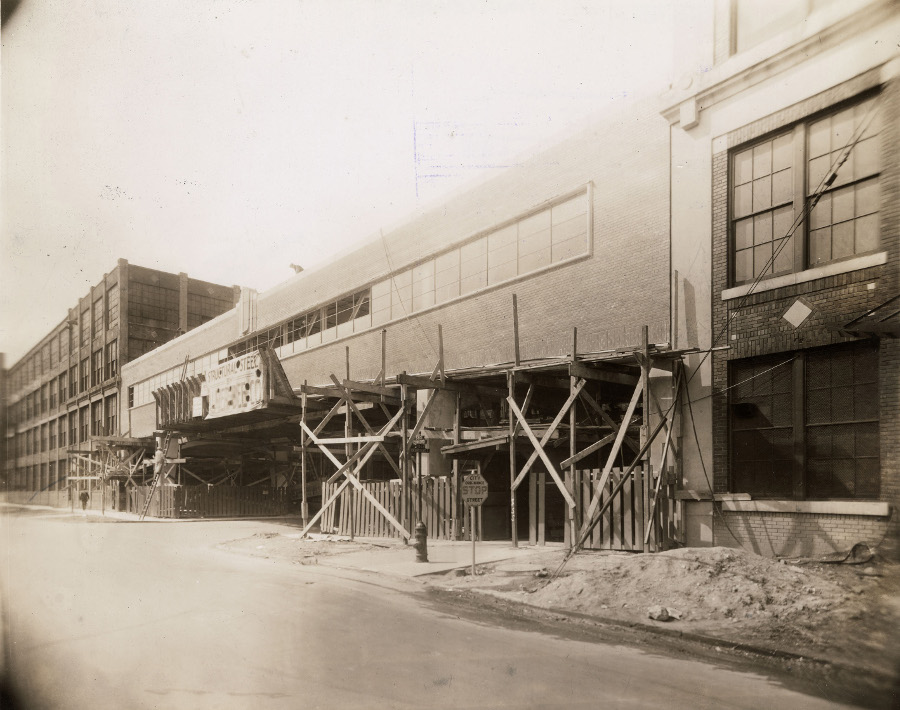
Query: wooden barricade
point(623, 525)
point(206, 502)
point(367, 521)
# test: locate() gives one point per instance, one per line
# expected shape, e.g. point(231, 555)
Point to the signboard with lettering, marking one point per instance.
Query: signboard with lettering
point(236, 386)
point(473, 490)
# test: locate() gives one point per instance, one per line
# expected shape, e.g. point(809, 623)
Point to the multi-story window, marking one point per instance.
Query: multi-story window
point(73, 381)
point(97, 316)
point(44, 437)
point(52, 434)
point(112, 305)
point(73, 428)
point(85, 325)
point(97, 418)
point(819, 442)
point(62, 381)
point(84, 383)
point(96, 367)
point(54, 390)
point(83, 424)
point(62, 431)
point(45, 395)
point(28, 443)
point(111, 360)
point(774, 181)
point(153, 302)
point(29, 406)
point(111, 406)
point(203, 308)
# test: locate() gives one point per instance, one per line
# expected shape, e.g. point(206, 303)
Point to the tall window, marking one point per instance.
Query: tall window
point(97, 418)
point(111, 406)
point(45, 392)
point(53, 388)
point(85, 325)
point(83, 424)
point(73, 429)
point(774, 180)
point(85, 379)
point(63, 386)
point(820, 443)
point(62, 431)
point(52, 434)
point(96, 367)
point(111, 364)
point(97, 316)
point(112, 305)
point(73, 381)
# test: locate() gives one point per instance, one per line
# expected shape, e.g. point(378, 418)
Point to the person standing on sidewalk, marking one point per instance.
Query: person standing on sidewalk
point(84, 497)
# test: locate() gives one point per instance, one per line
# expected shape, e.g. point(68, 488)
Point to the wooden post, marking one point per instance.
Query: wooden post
point(573, 513)
point(542, 508)
point(511, 385)
point(518, 360)
point(348, 432)
point(458, 513)
point(304, 505)
point(645, 423)
point(404, 455)
point(532, 507)
point(383, 355)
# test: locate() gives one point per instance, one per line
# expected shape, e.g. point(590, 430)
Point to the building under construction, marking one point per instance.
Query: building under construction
point(520, 329)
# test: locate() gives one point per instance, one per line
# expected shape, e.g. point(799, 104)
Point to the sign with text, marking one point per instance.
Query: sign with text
point(473, 489)
point(236, 386)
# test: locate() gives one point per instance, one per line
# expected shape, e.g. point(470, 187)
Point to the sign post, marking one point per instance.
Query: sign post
point(474, 491)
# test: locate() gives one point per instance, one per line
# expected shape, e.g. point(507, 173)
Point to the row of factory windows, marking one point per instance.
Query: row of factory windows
point(99, 418)
point(542, 239)
point(45, 476)
point(102, 365)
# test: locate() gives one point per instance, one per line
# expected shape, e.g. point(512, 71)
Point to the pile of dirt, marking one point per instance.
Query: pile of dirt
point(839, 612)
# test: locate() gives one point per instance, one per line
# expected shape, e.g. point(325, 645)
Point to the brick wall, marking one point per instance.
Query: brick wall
point(797, 534)
point(754, 326)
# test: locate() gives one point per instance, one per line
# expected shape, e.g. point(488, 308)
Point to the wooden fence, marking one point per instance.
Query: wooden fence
point(623, 524)
point(367, 521)
point(205, 502)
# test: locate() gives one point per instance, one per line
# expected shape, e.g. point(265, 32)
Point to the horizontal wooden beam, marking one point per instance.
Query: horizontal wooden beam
point(579, 369)
point(337, 393)
point(534, 378)
point(387, 395)
point(489, 442)
point(467, 387)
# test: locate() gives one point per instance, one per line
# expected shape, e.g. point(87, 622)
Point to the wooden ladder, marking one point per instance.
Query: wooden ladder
point(159, 475)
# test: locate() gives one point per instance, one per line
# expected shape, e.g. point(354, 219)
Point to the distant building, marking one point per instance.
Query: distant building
point(785, 173)
point(66, 389)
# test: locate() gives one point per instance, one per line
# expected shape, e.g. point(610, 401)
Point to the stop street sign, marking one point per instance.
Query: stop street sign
point(473, 490)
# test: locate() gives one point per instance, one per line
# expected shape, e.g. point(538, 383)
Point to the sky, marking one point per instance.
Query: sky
point(232, 138)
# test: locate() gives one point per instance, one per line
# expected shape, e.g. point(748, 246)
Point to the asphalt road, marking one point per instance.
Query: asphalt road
point(128, 615)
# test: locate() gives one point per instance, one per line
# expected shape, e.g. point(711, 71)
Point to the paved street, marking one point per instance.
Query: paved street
point(127, 615)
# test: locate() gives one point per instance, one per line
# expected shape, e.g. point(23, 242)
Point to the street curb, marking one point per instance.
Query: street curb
point(697, 638)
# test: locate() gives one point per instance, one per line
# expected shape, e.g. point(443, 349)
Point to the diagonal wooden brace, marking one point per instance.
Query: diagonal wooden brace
point(626, 420)
point(547, 434)
point(539, 449)
point(325, 506)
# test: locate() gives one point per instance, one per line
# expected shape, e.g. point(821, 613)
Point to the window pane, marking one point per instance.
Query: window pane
point(820, 138)
point(401, 294)
point(381, 302)
point(867, 156)
point(762, 193)
point(502, 254)
point(818, 169)
point(782, 187)
point(762, 160)
point(842, 204)
point(842, 240)
point(423, 286)
point(867, 233)
point(782, 152)
point(743, 265)
point(868, 196)
point(473, 265)
point(743, 233)
point(743, 200)
point(762, 256)
point(534, 242)
point(762, 228)
point(446, 276)
point(820, 246)
point(743, 167)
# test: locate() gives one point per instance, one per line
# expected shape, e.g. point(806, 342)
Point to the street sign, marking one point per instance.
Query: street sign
point(473, 490)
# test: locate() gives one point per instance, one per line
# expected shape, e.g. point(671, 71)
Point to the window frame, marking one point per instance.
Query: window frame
point(801, 190)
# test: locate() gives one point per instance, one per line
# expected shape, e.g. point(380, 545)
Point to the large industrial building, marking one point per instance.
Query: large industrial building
point(677, 327)
point(65, 392)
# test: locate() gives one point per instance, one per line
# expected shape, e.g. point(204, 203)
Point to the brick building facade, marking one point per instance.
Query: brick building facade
point(66, 389)
point(794, 133)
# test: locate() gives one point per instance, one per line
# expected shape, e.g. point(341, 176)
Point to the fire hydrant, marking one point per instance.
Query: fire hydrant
point(421, 544)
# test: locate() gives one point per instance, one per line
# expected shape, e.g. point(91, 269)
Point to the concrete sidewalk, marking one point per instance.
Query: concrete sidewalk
point(443, 556)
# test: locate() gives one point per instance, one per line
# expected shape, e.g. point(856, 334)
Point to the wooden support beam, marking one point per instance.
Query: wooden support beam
point(476, 445)
point(620, 436)
point(632, 444)
point(420, 422)
point(420, 382)
point(543, 380)
point(325, 506)
point(584, 453)
point(511, 386)
point(539, 449)
point(595, 374)
point(557, 420)
point(388, 395)
point(351, 440)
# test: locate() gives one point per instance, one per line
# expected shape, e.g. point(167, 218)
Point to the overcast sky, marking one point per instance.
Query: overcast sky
point(230, 138)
